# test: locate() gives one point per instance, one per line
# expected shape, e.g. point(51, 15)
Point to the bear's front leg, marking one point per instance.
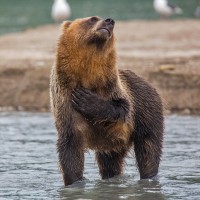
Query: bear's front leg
point(71, 156)
point(97, 109)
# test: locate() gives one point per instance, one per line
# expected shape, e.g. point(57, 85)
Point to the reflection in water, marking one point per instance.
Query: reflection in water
point(115, 188)
point(29, 169)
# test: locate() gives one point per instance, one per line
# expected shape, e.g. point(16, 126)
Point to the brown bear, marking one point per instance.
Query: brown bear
point(98, 107)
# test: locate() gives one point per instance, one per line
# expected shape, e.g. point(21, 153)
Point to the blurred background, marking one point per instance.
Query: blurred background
point(22, 14)
point(156, 39)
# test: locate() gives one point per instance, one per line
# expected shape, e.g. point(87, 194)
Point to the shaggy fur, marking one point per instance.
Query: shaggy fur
point(98, 107)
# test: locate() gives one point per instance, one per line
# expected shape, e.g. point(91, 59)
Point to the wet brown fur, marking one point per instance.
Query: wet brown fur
point(80, 64)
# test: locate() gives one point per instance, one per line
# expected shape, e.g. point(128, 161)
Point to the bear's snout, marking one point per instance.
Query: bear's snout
point(106, 27)
point(109, 21)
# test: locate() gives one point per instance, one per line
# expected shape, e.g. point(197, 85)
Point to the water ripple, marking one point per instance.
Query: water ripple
point(29, 169)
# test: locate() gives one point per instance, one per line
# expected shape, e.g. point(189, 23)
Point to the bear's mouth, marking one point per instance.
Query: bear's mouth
point(105, 31)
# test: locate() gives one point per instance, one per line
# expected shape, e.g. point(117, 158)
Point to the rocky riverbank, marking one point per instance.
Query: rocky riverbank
point(167, 53)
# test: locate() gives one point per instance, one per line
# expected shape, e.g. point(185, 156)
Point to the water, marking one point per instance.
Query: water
point(29, 169)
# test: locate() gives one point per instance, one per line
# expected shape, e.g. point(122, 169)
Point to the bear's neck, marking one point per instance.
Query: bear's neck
point(90, 69)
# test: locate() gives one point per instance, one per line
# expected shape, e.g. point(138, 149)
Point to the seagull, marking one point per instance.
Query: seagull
point(60, 10)
point(165, 9)
point(197, 11)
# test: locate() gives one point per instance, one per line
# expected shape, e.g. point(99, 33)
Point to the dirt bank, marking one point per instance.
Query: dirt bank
point(167, 53)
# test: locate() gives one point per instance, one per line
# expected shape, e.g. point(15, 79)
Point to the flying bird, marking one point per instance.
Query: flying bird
point(60, 10)
point(165, 9)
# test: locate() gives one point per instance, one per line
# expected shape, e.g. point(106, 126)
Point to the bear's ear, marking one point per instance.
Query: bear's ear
point(66, 24)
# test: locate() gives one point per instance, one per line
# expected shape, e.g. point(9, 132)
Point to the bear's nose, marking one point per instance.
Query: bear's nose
point(110, 21)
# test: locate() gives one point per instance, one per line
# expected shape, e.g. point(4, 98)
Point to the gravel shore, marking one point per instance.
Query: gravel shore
point(166, 53)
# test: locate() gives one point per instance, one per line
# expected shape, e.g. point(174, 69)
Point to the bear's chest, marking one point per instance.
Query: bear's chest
point(98, 138)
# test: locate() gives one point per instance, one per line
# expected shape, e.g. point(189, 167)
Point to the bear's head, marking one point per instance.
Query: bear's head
point(88, 32)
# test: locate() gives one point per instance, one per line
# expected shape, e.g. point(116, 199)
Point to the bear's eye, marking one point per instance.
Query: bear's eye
point(94, 19)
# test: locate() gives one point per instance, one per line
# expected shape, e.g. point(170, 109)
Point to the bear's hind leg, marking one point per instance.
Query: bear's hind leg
point(110, 164)
point(148, 151)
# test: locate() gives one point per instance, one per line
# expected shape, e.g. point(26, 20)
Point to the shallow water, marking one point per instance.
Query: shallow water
point(29, 170)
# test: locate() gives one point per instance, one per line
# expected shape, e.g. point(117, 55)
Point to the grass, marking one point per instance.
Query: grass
point(17, 15)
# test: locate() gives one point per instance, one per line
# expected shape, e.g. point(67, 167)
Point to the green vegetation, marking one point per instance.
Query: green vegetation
point(17, 15)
